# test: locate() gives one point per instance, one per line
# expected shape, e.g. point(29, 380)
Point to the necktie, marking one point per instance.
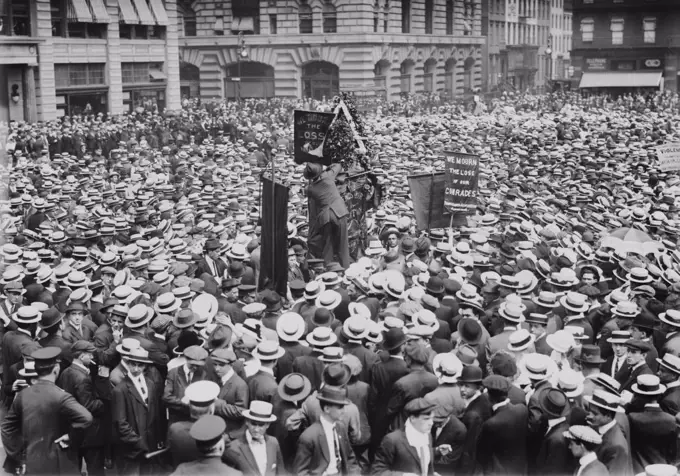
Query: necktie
point(615, 367)
point(142, 389)
point(423, 462)
point(190, 375)
point(336, 444)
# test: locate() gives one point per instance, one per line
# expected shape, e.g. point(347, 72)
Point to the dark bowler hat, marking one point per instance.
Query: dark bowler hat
point(208, 430)
point(294, 387)
point(393, 338)
point(333, 395)
point(337, 375)
point(212, 245)
point(590, 354)
point(50, 317)
point(553, 402)
point(471, 374)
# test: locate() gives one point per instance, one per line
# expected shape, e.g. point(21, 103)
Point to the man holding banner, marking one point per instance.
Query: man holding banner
point(328, 215)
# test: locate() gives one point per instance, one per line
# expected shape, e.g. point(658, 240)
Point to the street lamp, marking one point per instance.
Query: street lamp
point(548, 52)
point(242, 54)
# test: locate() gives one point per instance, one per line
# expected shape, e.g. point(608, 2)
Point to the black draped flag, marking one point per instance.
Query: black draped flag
point(274, 245)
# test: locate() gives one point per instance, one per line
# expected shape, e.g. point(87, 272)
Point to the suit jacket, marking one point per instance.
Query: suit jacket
point(156, 354)
point(210, 465)
point(670, 402)
point(203, 267)
point(231, 401)
point(182, 446)
point(633, 375)
point(139, 427)
point(653, 438)
point(367, 357)
point(497, 342)
point(262, 386)
point(312, 455)
point(311, 367)
point(324, 194)
point(70, 334)
point(448, 396)
point(39, 415)
point(453, 433)
point(554, 457)
point(541, 345)
point(239, 455)
point(284, 365)
point(613, 452)
point(502, 444)
point(382, 377)
point(175, 385)
point(623, 372)
point(395, 455)
point(55, 340)
point(596, 468)
point(415, 384)
point(77, 381)
point(476, 413)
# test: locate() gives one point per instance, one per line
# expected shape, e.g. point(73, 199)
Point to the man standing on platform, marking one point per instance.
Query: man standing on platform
point(328, 214)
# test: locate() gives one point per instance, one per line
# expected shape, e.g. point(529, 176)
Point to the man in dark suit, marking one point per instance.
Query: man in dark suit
point(211, 265)
point(614, 451)
point(354, 329)
point(324, 447)
point(477, 411)
point(78, 326)
point(178, 380)
point(652, 431)
point(583, 444)
point(77, 381)
point(502, 444)
point(290, 328)
point(137, 327)
point(255, 453)
point(328, 212)
point(637, 350)
point(139, 426)
point(26, 320)
point(310, 365)
point(409, 450)
point(448, 441)
point(417, 383)
point(382, 377)
point(554, 457)
point(207, 433)
point(262, 385)
point(39, 416)
point(201, 396)
point(669, 373)
point(616, 365)
point(233, 394)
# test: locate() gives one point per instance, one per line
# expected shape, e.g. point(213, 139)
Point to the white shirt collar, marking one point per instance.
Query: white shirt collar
point(225, 378)
point(499, 405)
point(586, 459)
point(605, 428)
point(554, 422)
point(414, 437)
point(473, 398)
point(267, 370)
point(673, 384)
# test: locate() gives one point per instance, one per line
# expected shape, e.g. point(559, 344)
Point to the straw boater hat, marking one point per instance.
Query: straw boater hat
point(260, 411)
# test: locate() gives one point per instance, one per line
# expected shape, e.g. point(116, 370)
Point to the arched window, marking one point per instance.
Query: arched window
point(306, 19)
point(330, 18)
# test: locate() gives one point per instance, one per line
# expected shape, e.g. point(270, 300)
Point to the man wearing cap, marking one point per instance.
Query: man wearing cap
point(207, 433)
point(228, 301)
point(210, 264)
point(40, 418)
point(201, 396)
point(255, 453)
point(653, 437)
point(138, 420)
point(76, 380)
point(637, 351)
point(179, 379)
point(77, 325)
point(583, 444)
point(233, 395)
point(409, 450)
point(324, 448)
point(502, 443)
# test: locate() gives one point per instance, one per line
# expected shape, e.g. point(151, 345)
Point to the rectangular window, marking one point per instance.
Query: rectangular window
point(376, 21)
point(649, 29)
point(330, 21)
point(15, 18)
point(273, 26)
point(406, 16)
point(429, 16)
point(306, 19)
point(189, 25)
point(79, 74)
point(617, 31)
point(449, 17)
point(587, 30)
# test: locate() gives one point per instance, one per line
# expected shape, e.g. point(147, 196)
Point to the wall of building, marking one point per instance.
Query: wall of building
point(355, 48)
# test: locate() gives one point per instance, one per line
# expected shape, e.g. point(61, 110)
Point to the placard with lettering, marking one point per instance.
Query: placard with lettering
point(361, 193)
point(669, 157)
point(462, 176)
point(309, 135)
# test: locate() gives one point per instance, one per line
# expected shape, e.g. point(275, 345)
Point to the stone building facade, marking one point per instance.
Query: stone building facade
point(314, 48)
point(62, 57)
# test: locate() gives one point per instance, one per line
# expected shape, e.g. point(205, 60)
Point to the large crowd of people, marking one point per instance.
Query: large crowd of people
point(543, 338)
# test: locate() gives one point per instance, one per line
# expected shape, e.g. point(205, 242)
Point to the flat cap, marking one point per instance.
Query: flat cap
point(497, 383)
point(637, 344)
point(418, 406)
point(225, 356)
point(46, 357)
point(196, 354)
point(83, 346)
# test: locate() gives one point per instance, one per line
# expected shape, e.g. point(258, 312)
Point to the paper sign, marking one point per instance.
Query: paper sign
point(669, 157)
point(462, 177)
point(309, 136)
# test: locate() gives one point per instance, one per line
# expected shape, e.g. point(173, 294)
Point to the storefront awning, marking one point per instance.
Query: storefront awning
point(127, 12)
point(157, 75)
point(145, 16)
point(79, 11)
point(99, 13)
point(159, 12)
point(612, 79)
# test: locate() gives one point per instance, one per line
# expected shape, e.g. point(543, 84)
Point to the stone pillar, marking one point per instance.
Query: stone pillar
point(173, 99)
point(113, 67)
point(30, 110)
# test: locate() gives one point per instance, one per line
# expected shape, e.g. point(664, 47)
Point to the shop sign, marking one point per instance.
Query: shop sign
point(596, 64)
